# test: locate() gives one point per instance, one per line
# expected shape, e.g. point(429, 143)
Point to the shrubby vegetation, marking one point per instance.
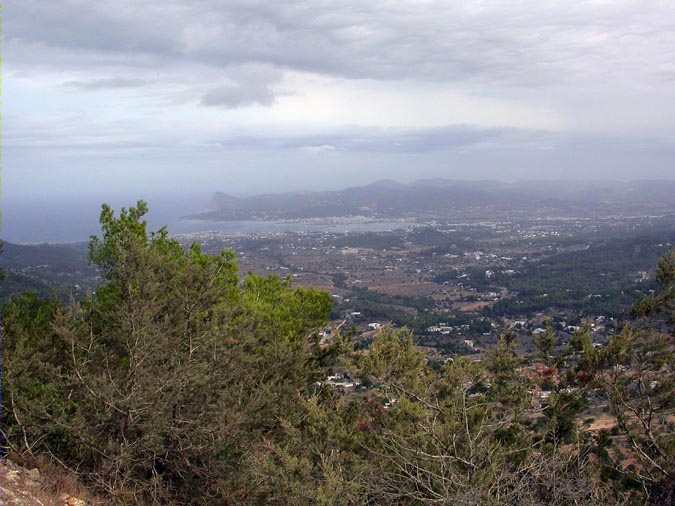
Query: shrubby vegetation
point(600, 279)
point(179, 383)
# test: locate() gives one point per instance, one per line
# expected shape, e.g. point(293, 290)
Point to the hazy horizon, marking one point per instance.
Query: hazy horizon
point(63, 218)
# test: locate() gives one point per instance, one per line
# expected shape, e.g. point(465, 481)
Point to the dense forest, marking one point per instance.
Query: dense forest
point(177, 382)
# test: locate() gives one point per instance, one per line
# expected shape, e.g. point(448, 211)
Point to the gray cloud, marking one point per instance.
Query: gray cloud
point(596, 65)
point(463, 139)
point(246, 85)
point(360, 140)
point(105, 83)
point(526, 43)
point(238, 96)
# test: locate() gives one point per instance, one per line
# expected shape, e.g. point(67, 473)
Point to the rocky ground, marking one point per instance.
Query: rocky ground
point(27, 487)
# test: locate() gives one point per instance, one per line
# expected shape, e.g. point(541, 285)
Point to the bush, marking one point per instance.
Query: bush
point(154, 387)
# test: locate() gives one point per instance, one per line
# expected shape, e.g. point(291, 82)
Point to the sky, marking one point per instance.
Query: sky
point(245, 96)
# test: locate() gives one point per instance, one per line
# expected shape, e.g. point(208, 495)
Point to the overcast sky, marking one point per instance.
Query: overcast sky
point(246, 96)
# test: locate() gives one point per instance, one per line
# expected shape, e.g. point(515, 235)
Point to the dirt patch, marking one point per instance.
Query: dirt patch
point(406, 289)
point(472, 307)
point(603, 422)
point(20, 486)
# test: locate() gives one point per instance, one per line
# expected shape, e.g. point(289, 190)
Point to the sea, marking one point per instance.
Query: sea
point(37, 221)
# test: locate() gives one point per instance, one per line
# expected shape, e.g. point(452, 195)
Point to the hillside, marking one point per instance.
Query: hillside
point(178, 382)
point(50, 270)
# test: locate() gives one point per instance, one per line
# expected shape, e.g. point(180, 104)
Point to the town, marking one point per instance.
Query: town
point(458, 286)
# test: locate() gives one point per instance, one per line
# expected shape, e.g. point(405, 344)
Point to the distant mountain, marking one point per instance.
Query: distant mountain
point(448, 198)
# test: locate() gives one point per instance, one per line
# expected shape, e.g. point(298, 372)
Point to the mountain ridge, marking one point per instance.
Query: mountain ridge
point(445, 197)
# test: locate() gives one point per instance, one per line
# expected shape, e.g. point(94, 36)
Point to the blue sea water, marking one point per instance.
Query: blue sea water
point(73, 220)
